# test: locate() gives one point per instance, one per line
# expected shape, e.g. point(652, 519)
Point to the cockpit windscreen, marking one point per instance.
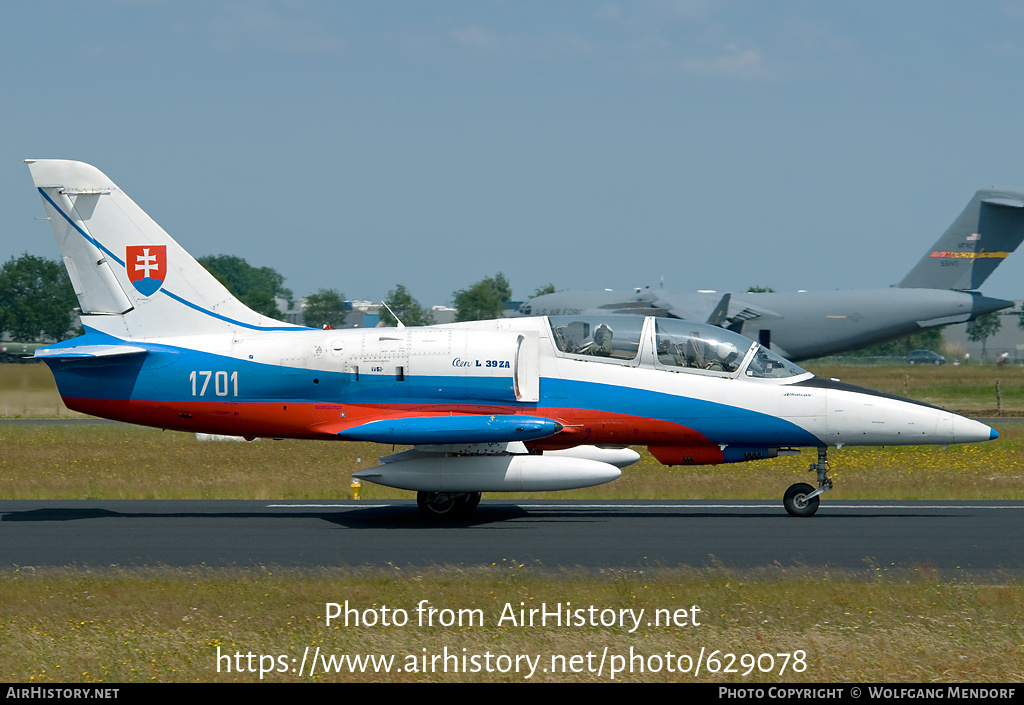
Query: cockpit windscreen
point(681, 346)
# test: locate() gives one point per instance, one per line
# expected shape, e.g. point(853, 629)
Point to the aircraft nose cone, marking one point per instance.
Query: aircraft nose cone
point(970, 431)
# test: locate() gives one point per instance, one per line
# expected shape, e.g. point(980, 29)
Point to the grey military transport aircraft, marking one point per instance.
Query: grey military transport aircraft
point(941, 289)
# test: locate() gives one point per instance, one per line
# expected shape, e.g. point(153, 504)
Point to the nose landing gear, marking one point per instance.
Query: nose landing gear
point(801, 500)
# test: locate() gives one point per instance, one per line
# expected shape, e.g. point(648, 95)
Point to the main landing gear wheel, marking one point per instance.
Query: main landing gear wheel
point(470, 502)
point(447, 505)
point(796, 500)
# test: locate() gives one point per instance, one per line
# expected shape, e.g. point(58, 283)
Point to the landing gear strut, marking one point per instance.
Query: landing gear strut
point(801, 500)
point(447, 505)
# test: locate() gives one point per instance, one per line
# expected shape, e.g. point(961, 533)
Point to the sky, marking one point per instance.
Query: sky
point(684, 143)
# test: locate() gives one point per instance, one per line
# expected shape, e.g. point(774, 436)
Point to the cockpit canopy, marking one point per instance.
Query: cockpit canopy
point(677, 345)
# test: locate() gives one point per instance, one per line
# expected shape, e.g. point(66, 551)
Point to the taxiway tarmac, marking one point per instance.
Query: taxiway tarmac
point(947, 536)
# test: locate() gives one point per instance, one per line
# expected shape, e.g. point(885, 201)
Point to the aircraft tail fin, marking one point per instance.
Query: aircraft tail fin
point(131, 278)
point(985, 233)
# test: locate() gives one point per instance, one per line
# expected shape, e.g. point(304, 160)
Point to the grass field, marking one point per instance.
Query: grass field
point(884, 624)
point(27, 391)
point(164, 625)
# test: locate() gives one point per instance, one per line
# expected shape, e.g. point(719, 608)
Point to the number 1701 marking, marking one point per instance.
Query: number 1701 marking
point(223, 384)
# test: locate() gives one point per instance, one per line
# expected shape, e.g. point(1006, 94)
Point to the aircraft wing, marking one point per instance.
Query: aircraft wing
point(573, 303)
point(476, 453)
point(433, 430)
point(728, 310)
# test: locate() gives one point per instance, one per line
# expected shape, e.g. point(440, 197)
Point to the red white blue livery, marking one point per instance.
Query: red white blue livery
point(520, 404)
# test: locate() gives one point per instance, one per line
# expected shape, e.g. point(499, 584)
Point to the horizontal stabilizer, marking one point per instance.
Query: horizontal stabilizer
point(453, 429)
point(88, 351)
point(1017, 202)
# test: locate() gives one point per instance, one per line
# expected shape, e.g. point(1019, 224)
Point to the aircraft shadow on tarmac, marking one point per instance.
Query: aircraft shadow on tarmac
point(399, 516)
point(407, 516)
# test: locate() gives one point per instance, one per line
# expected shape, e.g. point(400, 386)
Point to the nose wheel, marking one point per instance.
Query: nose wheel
point(798, 500)
point(801, 500)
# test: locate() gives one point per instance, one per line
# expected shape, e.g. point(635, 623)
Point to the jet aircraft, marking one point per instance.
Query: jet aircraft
point(526, 404)
point(940, 289)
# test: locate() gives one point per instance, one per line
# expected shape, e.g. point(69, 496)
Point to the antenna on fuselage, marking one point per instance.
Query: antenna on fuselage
point(385, 305)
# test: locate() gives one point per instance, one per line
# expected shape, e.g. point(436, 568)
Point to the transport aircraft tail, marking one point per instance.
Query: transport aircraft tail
point(133, 281)
point(985, 233)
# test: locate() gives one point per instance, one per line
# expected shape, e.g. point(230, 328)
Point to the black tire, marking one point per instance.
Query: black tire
point(796, 502)
point(446, 505)
point(437, 505)
point(470, 502)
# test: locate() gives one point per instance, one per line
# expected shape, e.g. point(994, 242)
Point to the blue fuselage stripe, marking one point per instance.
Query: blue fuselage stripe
point(174, 375)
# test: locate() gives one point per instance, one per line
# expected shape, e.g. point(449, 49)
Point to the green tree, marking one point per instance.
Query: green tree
point(325, 307)
point(542, 290)
point(406, 307)
point(255, 287)
point(36, 299)
point(982, 328)
point(483, 300)
point(758, 289)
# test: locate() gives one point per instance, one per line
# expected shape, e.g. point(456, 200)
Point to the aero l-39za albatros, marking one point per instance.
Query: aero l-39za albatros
point(939, 290)
point(527, 404)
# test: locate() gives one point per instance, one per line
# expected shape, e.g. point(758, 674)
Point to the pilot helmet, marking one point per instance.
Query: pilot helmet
point(726, 351)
